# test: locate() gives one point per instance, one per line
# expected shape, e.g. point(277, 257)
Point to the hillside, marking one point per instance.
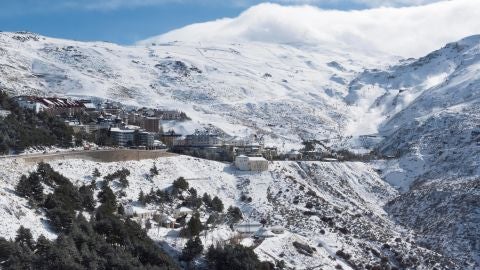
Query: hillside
point(416, 209)
point(431, 107)
point(345, 215)
point(282, 92)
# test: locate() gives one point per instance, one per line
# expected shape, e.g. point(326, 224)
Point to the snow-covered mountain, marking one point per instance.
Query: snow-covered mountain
point(247, 77)
point(431, 109)
point(280, 91)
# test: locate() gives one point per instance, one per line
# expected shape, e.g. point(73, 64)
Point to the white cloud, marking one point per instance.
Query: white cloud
point(409, 32)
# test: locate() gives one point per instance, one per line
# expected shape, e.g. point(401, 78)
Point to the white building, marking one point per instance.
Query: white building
point(132, 211)
point(256, 164)
point(182, 211)
point(122, 137)
point(247, 228)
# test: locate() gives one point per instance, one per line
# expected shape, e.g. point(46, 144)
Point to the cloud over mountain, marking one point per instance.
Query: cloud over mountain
point(406, 31)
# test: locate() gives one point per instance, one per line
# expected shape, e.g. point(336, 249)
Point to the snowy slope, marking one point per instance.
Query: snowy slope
point(347, 209)
point(283, 92)
point(311, 81)
point(428, 111)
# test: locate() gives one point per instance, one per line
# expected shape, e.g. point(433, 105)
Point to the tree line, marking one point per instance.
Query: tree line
point(24, 128)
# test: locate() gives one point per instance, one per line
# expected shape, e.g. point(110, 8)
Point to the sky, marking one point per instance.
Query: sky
point(128, 21)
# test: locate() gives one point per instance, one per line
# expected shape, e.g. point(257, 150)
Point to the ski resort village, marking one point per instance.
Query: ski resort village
point(289, 137)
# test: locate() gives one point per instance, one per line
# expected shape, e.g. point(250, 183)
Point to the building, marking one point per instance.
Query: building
point(270, 153)
point(89, 105)
point(202, 139)
point(151, 124)
point(256, 164)
point(91, 127)
point(134, 118)
point(294, 155)
point(165, 221)
point(170, 138)
point(247, 228)
point(169, 114)
point(50, 105)
point(122, 137)
point(111, 108)
point(182, 211)
point(248, 150)
point(132, 211)
point(146, 139)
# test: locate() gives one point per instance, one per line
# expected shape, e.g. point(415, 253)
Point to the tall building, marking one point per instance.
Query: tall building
point(170, 138)
point(151, 124)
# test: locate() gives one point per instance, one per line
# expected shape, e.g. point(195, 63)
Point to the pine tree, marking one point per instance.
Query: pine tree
point(86, 194)
point(192, 249)
point(30, 187)
point(5, 249)
point(121, 210)
point(148, 225)
point(180, 184)
point(154, 170)
point(42, 246)
point(141, 198)
point(217, 204)
point(123, 181)
point(24, 237)
point(194, 226)
point(96, 173)
point(108, 200)
point(207, 200)
point(234, 214)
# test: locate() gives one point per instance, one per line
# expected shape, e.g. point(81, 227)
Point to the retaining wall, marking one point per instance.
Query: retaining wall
point(100, 155)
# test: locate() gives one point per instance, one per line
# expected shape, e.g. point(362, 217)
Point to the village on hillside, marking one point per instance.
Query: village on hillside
point(113, 124)
point(97, 122)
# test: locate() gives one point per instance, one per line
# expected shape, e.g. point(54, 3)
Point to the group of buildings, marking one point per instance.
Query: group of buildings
point(247, 155)
point(142, 128)
point(127, 127)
